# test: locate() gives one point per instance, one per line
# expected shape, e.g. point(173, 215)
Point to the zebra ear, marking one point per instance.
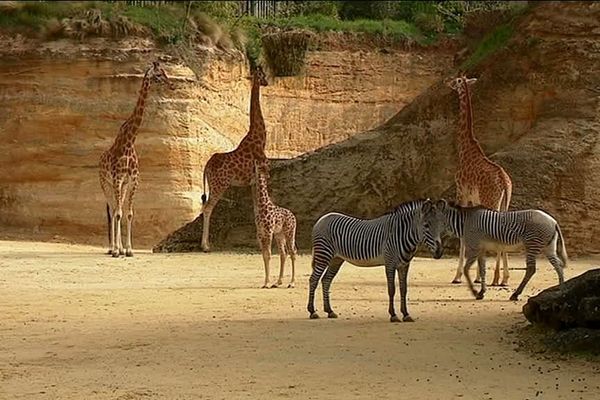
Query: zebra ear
point(427, 206)
point(441, 204)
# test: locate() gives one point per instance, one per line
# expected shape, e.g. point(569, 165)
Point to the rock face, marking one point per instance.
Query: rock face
point(63, 103)
point(535, 104)
point(577, 305)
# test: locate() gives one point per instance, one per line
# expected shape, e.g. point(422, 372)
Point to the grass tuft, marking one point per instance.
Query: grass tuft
point(491, 43)
point(285, 51)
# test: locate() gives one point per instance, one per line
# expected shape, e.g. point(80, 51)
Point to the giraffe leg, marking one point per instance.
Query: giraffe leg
point(265, 244)
point(214, 197)
point(119, 195)
point(282, 255)
point(505, 273)
point(131, 193)
point(104, 184)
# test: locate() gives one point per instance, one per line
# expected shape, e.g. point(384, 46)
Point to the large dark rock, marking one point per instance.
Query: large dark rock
point(576, 305)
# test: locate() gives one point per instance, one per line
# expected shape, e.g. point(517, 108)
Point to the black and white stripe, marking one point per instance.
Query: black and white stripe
point(482, 229)
point(389, 240)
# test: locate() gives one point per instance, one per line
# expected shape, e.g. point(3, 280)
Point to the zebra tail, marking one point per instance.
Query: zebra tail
point(109, 223)
point(560, 247)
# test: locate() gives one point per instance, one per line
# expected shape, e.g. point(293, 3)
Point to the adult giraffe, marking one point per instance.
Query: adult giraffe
point(479, 180)
point(119, 170)
point(235, 168)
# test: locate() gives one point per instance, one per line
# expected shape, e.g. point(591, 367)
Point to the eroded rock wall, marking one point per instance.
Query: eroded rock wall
point(535, 104)
point(63, 102)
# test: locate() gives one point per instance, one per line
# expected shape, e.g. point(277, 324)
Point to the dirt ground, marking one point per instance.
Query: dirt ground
point(76, 324)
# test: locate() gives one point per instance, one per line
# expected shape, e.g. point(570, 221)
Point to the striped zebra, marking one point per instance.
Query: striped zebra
point(488, 230)
point(389, 240)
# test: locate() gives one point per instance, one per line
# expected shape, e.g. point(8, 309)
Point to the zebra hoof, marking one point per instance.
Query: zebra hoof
point(314, 316)
point(479, 296)
point(205, 249)
point(503, 284)
point(275, 285)
point(129, 253)
point(115, 253)
point(332, 315)
point(394, 318)
point(291, 285)
point(514, 297)
point(408, 318)
point(109, 252)
point(455, 281)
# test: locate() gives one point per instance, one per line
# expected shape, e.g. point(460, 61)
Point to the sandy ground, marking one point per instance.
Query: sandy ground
point(76, 324)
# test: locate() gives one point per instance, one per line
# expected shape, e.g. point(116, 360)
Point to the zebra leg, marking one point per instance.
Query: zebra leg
point(390, 273)
point(471, 258)
point(481, 267)
point(403, 282)
point(461, 259)
point(332, 270)
point(556, 263)
point(318, 270)
point(530, 261)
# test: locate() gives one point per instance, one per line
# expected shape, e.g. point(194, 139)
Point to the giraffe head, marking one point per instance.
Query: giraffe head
point(258, 75)
point(262, 169)
point(157, 74)
point(459, 84)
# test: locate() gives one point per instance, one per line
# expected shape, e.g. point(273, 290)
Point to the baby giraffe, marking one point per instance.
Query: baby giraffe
point(272, 220)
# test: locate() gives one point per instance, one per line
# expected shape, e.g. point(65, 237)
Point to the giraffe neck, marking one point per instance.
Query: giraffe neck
point(257, 129)
point(130, 128)
point(468, 146)
point(262, 197)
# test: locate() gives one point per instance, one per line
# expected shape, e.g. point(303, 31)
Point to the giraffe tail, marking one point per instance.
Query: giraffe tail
point(506, 197)
point(204, 197)
point(109, 223)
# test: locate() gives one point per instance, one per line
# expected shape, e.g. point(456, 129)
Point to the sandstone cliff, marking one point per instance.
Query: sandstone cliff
point(63, 102)
point(536, 109)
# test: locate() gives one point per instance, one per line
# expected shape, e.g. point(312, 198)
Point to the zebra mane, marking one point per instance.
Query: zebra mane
point(453, 204)
point(406, 206)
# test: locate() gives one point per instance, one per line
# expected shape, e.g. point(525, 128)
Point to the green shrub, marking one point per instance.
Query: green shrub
point(429, 23)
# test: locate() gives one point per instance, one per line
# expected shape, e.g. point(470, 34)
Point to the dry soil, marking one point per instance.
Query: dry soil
point(77, 324)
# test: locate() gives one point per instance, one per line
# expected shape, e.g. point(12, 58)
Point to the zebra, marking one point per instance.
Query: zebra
point(389, 240)
point(483, 229)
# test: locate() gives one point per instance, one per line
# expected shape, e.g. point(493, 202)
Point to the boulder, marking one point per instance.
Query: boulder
point(577, 304)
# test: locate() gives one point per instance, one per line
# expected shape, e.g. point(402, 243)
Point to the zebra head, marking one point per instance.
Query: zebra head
point(433, 227)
